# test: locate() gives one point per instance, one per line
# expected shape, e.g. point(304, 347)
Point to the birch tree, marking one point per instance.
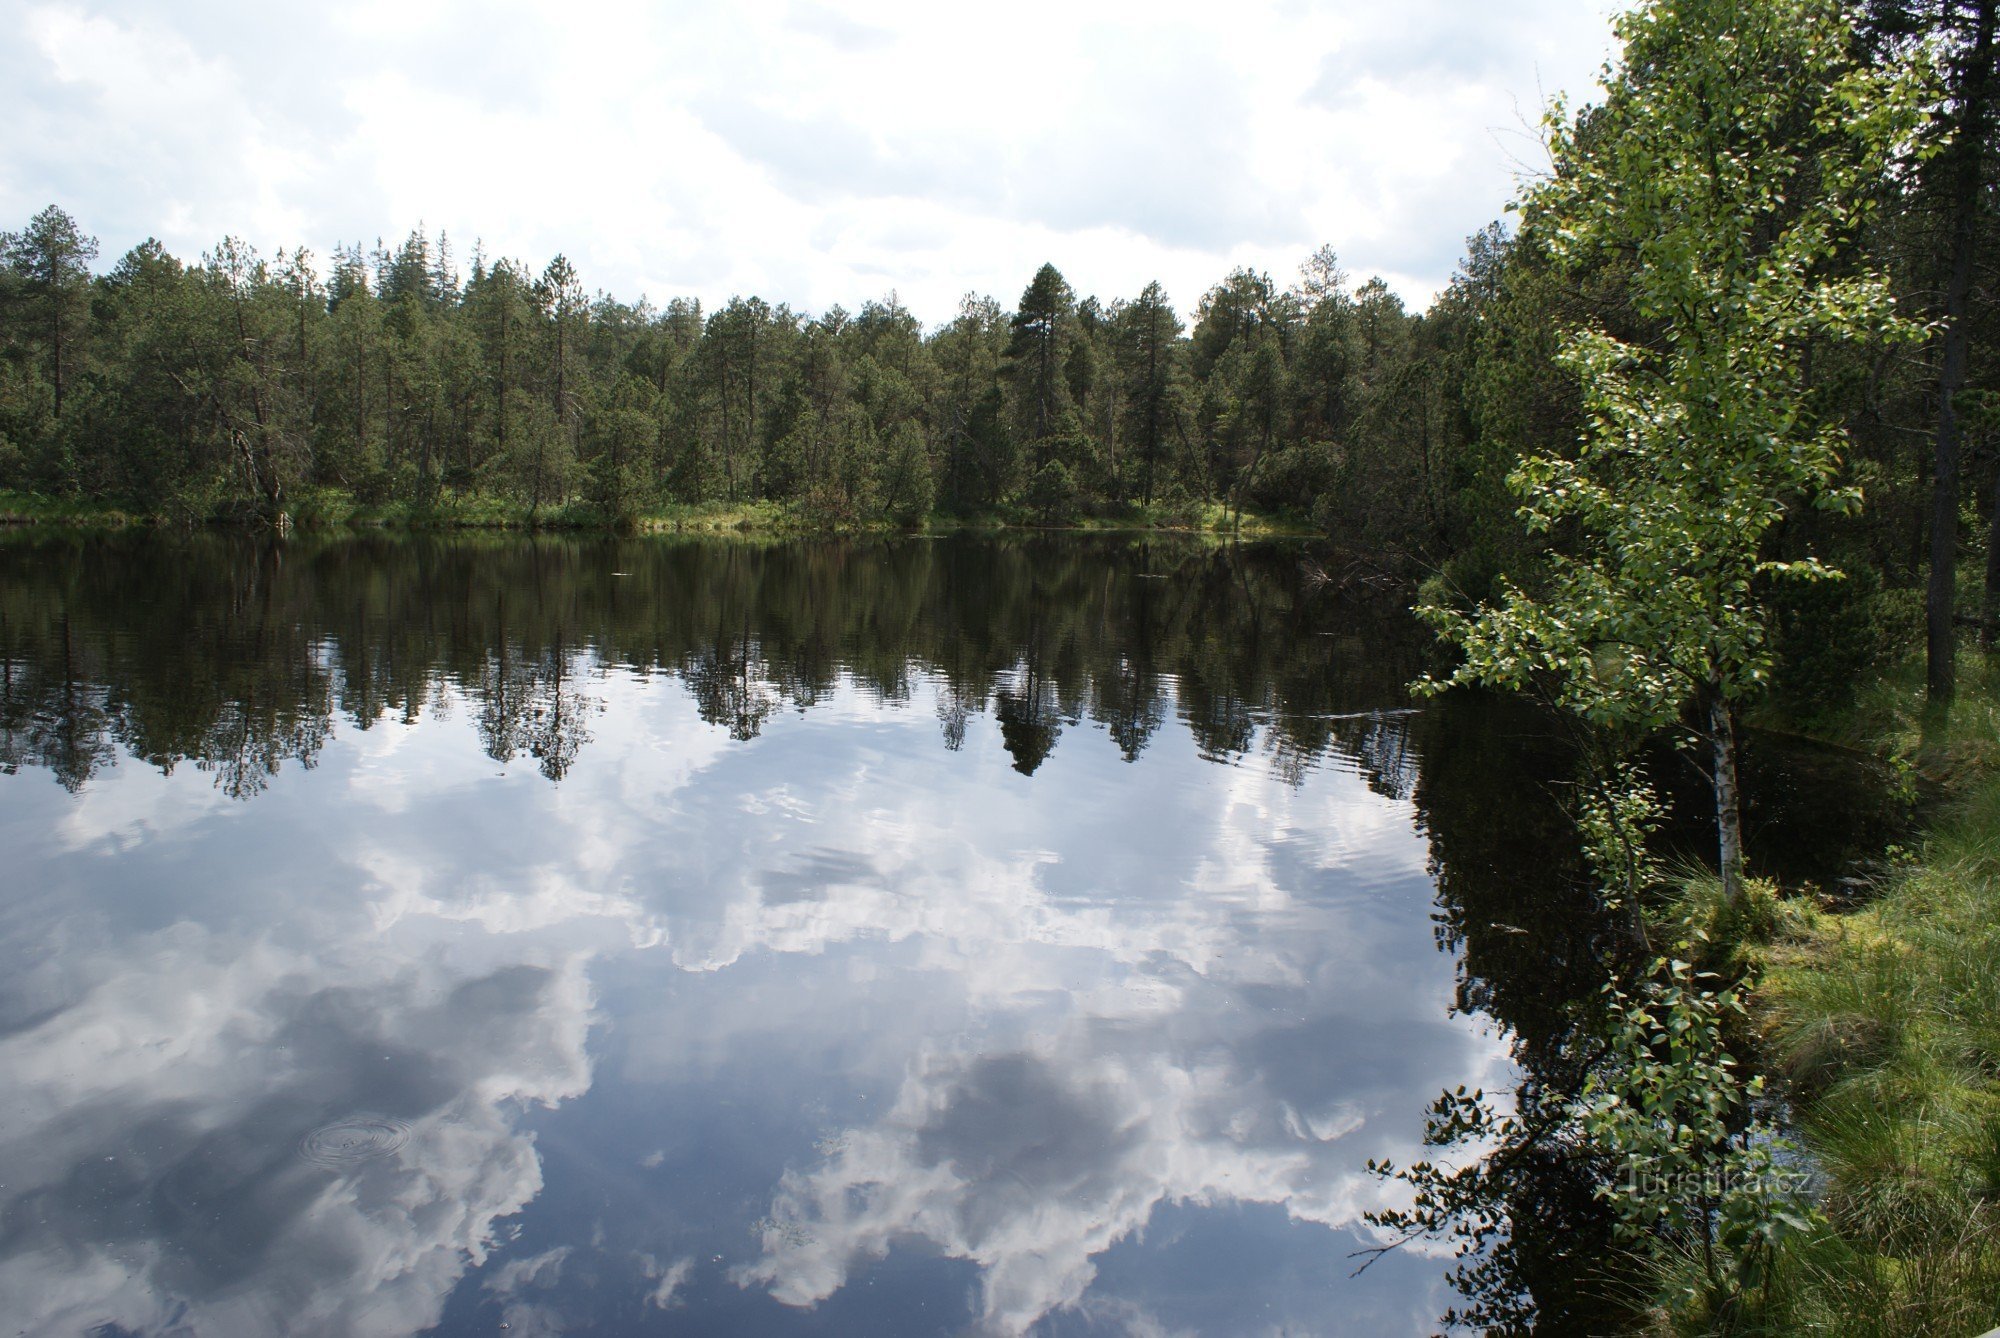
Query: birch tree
point(1737, 150)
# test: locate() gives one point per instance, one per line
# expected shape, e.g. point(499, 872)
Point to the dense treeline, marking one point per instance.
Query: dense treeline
point(240, 385)
point(246, 387)
point(252, 387)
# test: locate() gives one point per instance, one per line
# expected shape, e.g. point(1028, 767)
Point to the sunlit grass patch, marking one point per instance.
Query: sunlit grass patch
point(1886, 1022)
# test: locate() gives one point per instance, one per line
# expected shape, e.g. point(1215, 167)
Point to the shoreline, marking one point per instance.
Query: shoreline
point(28, 510)
point(1877, 1017)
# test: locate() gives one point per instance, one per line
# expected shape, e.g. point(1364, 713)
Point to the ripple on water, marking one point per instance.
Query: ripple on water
point(357, 1138)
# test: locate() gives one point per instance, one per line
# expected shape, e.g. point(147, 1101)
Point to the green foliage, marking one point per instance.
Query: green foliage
point(1464, 1205)
point(1662, 1126)
point(906, 489)
point(250, 389)
point(49, 261)
point(1616, 820)
point(1052, 494)
point(1734, 188)
point(1831, 637)
point(239, 387)
point(1668, 1107)
point(1037, 352)
point(1886, 1024)
point(29, 508)
point(1724, 183)
point(617, 441)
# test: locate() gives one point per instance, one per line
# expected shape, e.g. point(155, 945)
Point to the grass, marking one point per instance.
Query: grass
point(1883, 1023)
point(328, 508)
point(333, 508)
point(21, 508)
point(1199, 518)
point(718, 518)
point(1877, 1019)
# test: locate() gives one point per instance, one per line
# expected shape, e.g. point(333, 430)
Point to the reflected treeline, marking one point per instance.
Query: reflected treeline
point(238, 656)
point(1534, 945)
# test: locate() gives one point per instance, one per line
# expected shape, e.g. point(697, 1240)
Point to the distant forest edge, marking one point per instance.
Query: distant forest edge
point(245, 387)
point(398, 383)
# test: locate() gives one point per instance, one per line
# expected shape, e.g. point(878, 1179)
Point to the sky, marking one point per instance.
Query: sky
point(804, 152)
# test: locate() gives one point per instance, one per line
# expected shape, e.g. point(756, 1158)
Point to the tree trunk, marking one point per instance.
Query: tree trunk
point(500, 398)
point(56, 340)
point(1728, 804)
point(750, 387)
point(1967, 159)
point(728, 443)
point(1153, 397)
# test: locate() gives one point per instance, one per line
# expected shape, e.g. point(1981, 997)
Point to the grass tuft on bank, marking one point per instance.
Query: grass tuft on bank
point(1883, 1020)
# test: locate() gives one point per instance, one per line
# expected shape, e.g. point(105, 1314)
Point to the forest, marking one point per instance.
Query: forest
point(242, 387)
point(396, 381)
point(1703, 438)
point(239, 386)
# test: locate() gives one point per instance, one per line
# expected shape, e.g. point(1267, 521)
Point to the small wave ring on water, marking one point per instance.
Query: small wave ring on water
point(357, 1138)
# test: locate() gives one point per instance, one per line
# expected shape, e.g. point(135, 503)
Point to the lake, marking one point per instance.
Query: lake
point(1006, 935)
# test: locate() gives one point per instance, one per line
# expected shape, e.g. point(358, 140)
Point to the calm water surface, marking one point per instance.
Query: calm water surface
point(922, 937)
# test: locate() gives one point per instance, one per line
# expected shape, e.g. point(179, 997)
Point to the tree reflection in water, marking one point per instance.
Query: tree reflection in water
point(238, 656)
point(243, 658)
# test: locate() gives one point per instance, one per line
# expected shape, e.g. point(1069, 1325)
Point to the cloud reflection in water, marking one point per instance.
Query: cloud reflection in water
point(950, 1010)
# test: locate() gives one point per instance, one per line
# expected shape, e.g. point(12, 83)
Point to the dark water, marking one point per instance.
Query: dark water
point(906, 938)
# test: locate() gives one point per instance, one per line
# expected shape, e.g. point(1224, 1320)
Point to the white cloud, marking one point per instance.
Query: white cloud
point(811, 153)
point(1032, 1164)
point(672, 1277)
point(1069, 1037)
point(180, 1084)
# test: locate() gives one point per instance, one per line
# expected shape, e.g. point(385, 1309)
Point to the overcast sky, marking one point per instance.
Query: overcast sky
point(807, 153)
